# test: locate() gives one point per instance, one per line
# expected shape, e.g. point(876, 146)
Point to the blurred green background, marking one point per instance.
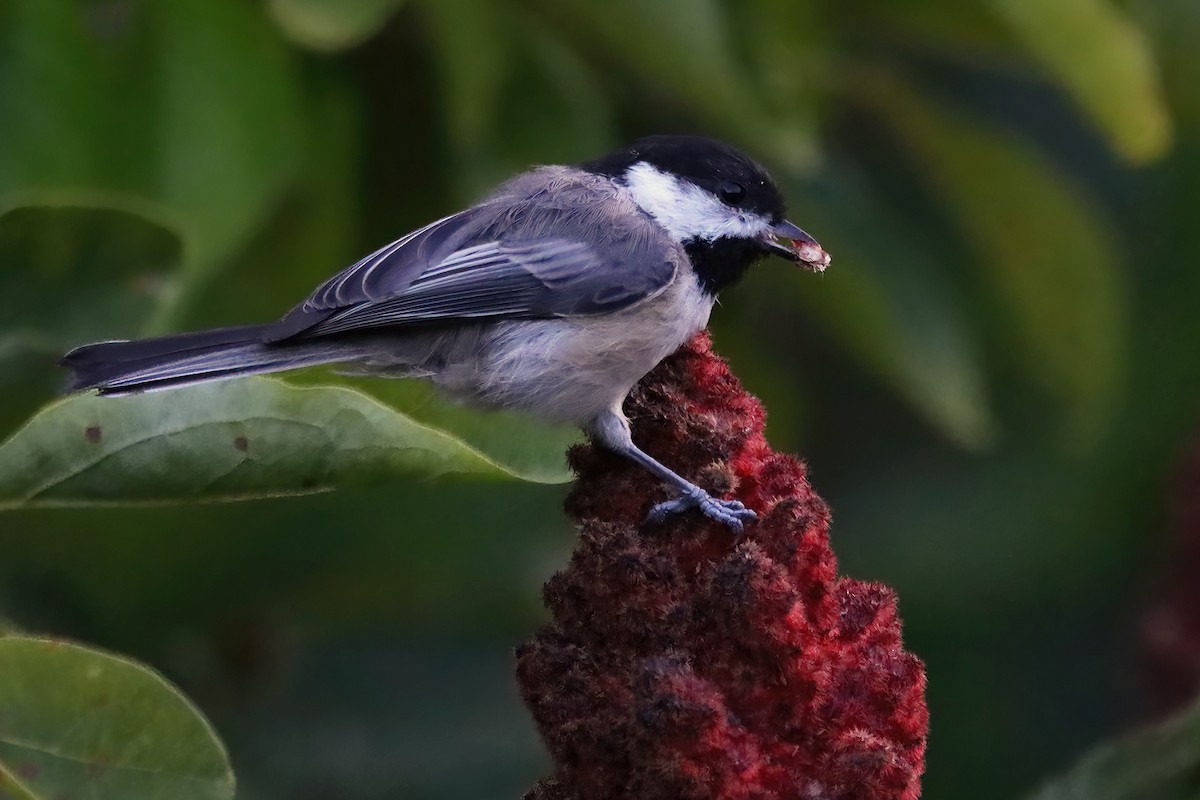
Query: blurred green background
point(991, 384)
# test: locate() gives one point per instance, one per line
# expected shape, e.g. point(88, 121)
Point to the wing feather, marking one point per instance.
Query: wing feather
point(367, 279)
point(502, 259)
point(534, 279)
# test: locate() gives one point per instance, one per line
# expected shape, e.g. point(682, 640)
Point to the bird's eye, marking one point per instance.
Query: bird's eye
point(731, 193)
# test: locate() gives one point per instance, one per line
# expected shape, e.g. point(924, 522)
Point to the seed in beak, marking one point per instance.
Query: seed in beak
point(811, 255)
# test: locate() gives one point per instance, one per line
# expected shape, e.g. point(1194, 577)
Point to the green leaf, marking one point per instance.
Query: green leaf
point(185, 113)
point(75, 722)
point(331, 25)
point(529, 447)
point(682, 43)
point(318, 228)
point(1176, 24)
point(235, 440)
point(1036, 241)
point(687, 48)
point(886, 303)
point(1099, 55)
point(555, 109)
point(475, 58)
point(965, 32)
point(512, 91)
point(1160, 762)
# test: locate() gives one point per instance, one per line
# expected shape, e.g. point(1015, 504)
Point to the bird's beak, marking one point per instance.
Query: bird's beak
point(800, 248)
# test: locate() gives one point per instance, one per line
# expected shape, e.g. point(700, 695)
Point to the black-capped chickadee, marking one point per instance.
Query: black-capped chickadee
point(554, 295)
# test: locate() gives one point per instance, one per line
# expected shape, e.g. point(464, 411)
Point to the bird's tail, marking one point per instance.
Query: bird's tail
point(124, 367)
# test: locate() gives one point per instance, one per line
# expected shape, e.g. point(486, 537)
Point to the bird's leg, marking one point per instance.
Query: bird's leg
point(611, 429)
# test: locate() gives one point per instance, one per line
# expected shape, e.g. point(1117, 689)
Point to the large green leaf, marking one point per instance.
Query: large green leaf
point(207, 131)
point(687, 47)
point(527, 446)
point(1098, 54)
point(242, 439)
point(475, 56)
point(1176, 24)
point(507, 77)
point(78, 723)
point(331, 25)
point(318, 228)
point(887, 303)
point(683, 44)
point(1160, 762)
point(1047, 257)
point(963, 31)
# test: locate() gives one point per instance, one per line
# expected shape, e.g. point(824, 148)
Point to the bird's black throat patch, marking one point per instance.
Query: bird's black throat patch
point(720, 263)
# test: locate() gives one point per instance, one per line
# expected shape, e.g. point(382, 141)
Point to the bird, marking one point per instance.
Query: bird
point(554, 295)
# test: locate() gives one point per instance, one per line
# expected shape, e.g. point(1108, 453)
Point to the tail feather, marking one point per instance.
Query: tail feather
point(124, 367)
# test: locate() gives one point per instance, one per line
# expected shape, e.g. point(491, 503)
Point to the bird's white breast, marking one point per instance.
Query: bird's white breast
point(572, 369)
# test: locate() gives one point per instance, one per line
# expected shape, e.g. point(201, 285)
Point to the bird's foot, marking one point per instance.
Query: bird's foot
point(730, 513)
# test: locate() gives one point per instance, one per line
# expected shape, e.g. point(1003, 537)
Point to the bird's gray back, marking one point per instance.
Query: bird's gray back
point(563, 202)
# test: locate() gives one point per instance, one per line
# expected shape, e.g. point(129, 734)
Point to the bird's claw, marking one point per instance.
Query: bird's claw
point(730, 513)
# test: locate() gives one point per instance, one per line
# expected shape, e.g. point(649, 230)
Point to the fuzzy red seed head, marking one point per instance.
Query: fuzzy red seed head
point(685, 662)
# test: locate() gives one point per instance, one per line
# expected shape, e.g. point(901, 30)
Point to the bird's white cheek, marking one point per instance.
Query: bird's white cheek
point(685, 210)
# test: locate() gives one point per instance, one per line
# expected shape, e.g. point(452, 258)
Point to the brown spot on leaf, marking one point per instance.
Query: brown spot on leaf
point(241, 444)
point(27, 770)
point(92, 434)
point(308, 483)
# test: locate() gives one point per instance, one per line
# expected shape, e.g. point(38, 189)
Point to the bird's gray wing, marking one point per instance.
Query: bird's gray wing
point(385, 273)
point(468, 267)
point(534, 279)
